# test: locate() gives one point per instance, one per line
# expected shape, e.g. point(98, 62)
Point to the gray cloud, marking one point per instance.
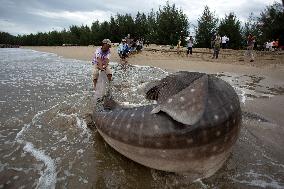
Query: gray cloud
point(20, 17)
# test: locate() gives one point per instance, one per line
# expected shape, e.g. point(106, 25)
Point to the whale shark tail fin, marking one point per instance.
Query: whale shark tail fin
point(101, 87)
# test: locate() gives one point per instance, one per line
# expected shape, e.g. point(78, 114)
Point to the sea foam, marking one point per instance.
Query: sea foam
point(48, 176)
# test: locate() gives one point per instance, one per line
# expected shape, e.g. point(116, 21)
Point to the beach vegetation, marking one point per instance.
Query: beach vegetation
point(206, 27)
point(231, 27)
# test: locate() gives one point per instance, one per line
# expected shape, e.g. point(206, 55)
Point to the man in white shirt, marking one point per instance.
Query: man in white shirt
point(224, 41)
point(101, 60)
point(189, 45)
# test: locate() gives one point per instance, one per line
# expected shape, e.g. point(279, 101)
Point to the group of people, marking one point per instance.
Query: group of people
point(272, 45)
point(128, 46)
point(216, 42)
point(102, 55)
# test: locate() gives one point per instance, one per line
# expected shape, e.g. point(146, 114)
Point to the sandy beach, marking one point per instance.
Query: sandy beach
point(266, 63)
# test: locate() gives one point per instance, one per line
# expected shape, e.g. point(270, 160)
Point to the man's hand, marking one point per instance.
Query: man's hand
point(102, 67)
point(100, 64)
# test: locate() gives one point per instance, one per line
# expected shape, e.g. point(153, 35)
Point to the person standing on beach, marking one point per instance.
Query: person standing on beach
point(101, 61)
point(227, 42)
point(277, 44)
point(189, 45)
point(123, 50)
point(224, 41)
point(178, 46)
point(212, 41)
point(216, 46)
point(129, 40)
point(250, 45)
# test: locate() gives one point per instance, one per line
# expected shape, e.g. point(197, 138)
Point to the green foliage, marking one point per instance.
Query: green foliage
point(152, 26)
point(95, 30)
point(251, 26)
point(271, 22)
point(141, 25)
point(6, 38)
point(126, 25)
point(114, 30)
point(231, 27)
point(207, 25)
point(172, 24)
point(268, 26)
point(164, 26)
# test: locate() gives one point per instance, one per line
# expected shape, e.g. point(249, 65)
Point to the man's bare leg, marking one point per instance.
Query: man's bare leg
point(95, 83)
point(109, 77)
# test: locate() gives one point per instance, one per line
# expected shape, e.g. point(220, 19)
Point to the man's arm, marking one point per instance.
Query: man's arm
point(100, 63)
point(106, 62)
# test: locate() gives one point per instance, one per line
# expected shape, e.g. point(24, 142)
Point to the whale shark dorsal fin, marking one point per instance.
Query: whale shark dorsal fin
point(188, 105)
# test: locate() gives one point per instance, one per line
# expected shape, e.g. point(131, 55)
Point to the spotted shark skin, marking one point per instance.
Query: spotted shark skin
point(191, 129)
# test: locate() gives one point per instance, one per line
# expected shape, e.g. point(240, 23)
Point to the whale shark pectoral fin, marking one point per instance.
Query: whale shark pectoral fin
point(188, 105)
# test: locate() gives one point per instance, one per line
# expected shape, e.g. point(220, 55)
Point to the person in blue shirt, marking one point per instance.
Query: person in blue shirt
point(123, 50)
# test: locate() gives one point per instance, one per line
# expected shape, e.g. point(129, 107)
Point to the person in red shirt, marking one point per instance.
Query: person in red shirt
point(250, 45)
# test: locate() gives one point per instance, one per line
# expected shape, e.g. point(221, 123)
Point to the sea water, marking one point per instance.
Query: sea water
point(46, 105)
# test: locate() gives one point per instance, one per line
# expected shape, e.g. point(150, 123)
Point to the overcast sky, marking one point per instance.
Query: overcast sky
point(32, 16)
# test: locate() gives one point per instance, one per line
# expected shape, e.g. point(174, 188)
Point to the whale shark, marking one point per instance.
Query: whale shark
point(190, 129)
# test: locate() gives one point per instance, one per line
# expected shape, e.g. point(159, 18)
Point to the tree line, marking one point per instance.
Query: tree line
point(164, 26)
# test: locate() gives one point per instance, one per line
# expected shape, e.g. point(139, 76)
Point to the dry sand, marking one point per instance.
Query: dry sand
point(266, 63)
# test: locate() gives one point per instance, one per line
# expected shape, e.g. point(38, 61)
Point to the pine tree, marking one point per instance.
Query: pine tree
point(172, 24)
point(271, 23)
point(115, 36)
point(231, 27)
point(207, 25)
point(95, 29)
point(141, 27)
point(152, 26)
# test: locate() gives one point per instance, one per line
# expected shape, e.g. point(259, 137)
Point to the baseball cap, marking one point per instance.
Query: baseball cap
point(106, 41)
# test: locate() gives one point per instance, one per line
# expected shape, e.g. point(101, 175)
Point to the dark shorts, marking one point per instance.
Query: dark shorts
point(189, 50)
point(123, 54)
